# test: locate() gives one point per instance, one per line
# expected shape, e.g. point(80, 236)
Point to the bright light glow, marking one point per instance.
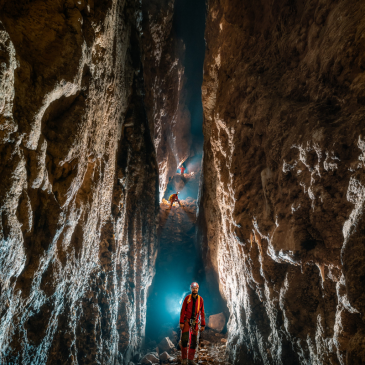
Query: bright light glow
point(174, 303)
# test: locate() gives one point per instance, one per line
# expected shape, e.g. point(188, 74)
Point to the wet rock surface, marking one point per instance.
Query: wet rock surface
point(79, 183)
point(283, 177)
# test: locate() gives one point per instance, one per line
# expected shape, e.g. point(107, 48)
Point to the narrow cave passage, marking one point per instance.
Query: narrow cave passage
point(100, 104)
point(179, 260)
point(189, 25)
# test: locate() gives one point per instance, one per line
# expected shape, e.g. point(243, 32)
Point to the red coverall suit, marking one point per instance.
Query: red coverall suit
point(188, 332)
point(174, 198)
point(182, 170)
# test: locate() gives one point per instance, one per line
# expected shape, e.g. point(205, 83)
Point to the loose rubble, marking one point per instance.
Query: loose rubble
point(211, 351)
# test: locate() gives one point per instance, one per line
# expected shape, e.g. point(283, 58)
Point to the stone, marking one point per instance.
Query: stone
point(151, 358)
point(217, 322)
point(165, 356)
point(166, 345)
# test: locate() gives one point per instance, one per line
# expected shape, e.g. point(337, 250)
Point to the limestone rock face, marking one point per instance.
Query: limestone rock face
point(283, 177)
point(165, 98)
point(79, 183)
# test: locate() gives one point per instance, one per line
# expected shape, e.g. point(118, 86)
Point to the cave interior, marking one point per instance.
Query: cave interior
point(252, 111)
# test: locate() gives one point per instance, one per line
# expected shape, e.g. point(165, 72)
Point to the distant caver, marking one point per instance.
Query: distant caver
point(174, 198)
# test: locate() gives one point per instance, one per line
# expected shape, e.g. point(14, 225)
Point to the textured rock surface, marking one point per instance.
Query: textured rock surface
point(284, 183)
point(79, 185)
point(166, 345)
point(217, 322)
point(165, 98)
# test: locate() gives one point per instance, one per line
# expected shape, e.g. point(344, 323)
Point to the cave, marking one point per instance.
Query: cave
point(252, 111)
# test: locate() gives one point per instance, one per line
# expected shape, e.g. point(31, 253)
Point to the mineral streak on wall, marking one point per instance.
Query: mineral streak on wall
point(79, 183)
point(284, 183)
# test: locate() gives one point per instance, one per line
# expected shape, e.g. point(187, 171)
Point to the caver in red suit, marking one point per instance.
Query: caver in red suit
point(192, 313)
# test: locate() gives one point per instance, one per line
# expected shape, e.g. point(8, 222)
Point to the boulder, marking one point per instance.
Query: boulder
point(174, 338)
point(166, 345)
point(150, 358)
point(217, 322)
point(165, 356)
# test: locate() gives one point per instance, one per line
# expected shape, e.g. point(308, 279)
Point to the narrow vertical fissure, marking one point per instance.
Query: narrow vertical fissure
point(180, 260)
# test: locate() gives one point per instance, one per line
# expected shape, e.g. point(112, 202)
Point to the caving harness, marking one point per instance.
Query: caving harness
point(190, 338)
point(173, 197)
point(194, 321)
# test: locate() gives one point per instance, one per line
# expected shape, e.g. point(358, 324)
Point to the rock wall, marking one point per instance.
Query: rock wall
point(165, 97)
point(79, 183)
point(283, 190)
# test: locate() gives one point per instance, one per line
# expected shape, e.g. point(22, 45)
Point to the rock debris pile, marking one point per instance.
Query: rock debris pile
point(211, 351)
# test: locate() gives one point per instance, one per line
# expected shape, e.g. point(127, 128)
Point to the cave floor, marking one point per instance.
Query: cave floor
point(212, 349)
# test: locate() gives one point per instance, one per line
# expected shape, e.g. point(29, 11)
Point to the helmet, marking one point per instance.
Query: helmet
point(194, 285)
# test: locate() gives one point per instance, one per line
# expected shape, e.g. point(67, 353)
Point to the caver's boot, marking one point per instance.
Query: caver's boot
point(184, 362)
point(192, 362)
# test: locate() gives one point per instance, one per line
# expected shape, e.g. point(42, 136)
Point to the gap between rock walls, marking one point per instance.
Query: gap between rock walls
point(179, 260)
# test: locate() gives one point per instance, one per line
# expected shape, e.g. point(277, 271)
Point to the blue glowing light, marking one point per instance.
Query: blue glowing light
point(174, 303)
